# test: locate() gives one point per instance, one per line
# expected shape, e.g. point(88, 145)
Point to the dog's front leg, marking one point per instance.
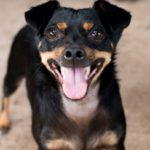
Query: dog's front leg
point(4, 115)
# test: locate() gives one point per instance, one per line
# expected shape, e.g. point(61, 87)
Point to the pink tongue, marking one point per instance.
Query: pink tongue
point(74, 82)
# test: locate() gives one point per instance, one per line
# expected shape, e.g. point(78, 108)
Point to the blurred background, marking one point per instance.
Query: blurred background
point(133, 71)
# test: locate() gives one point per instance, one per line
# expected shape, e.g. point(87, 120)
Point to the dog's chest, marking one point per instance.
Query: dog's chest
point(82, 111)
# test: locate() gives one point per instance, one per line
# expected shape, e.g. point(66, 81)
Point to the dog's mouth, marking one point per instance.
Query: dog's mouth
point(75, 81)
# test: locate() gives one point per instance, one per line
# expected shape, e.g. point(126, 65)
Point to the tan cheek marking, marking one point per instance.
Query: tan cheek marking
point(107, 57)
point(62, 144)
point(62, 26)
point(87, 26)
point(94, 55)
point(55, 54)
point(109, 138)
point(89, 53)
point(4, 115)
point(44, 57)
point(103, 54)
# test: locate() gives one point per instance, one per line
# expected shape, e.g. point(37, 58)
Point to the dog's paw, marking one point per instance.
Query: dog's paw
point(4, 123)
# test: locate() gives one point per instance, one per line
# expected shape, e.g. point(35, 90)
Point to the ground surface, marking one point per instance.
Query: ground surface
point(133, 65)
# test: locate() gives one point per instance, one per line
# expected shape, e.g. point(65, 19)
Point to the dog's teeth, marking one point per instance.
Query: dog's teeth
point(87, 72)
point(99, 64)
point(54, 66)
point(59, 75)
point(92, 73)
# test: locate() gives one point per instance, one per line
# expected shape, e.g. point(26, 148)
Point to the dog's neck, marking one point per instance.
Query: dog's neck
point(82, 111)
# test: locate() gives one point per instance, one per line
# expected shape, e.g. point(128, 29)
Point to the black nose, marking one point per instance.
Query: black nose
point(77, 54)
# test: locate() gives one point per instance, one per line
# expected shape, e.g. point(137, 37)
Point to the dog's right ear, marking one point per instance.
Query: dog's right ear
point(38, 16)
point(114, 18)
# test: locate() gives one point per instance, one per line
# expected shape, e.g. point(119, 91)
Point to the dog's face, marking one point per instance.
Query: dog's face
point(75, 48)
point(76, 45)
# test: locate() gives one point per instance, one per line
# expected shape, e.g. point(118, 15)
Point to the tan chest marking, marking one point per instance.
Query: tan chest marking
point(109, 138)
point(64, 144)
point(82, 111)
point(59, 144)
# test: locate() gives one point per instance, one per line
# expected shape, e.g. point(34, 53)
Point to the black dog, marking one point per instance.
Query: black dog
point(67, 57)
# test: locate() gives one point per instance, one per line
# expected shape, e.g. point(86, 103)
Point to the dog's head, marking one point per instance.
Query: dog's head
point(76, 45)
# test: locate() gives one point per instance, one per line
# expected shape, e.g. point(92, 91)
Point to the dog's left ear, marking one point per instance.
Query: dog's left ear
point(38, 16)
point(115, 19)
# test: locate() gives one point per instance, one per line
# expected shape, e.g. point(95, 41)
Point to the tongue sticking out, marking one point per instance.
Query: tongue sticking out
point(74, 82)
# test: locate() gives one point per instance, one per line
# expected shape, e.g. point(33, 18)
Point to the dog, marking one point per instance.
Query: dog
point(68, 58)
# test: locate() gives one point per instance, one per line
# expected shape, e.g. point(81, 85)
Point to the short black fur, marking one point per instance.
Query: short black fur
point(48, 119)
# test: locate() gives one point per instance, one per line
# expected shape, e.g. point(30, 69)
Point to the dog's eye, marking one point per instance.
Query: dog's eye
point(53, 33)
point(97, 35)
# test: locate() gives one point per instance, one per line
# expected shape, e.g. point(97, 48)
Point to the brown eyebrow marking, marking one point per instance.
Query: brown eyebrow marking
point(62, 26)
point(87, 26)
point(54, 54)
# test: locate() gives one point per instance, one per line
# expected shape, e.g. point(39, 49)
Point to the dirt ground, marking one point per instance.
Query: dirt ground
point(133, 66)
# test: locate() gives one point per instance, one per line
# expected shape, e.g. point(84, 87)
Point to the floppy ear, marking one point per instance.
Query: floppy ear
point(115, 19)
point(39, 16)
